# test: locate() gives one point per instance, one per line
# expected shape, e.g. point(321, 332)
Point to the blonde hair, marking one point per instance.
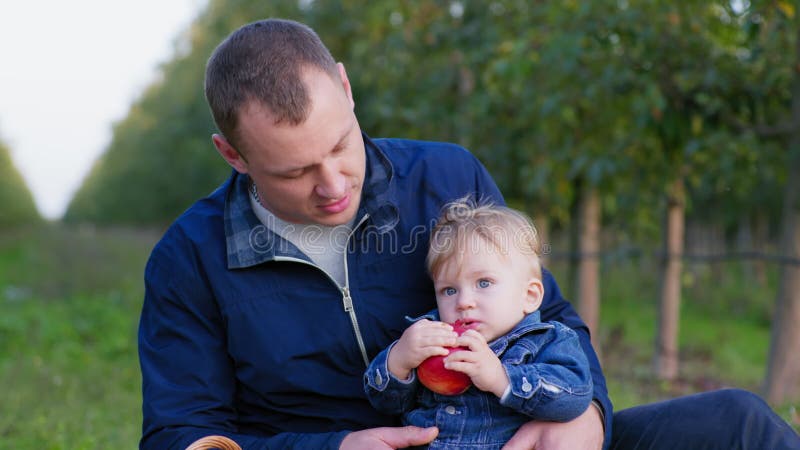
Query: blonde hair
point(504, 228)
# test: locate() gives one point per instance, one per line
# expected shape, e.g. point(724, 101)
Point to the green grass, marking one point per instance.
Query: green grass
point(723, 340)
point(70, 301)
point(68, 361)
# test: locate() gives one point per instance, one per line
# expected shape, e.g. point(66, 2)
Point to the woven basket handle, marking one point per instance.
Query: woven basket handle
point(211, 442)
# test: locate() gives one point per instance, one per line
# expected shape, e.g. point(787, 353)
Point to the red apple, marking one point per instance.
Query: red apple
point(435, 377)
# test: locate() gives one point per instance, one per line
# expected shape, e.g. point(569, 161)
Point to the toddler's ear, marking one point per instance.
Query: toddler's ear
point(534, 295)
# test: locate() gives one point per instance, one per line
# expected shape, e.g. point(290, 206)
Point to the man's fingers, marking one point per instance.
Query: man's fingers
point(388, 438)
point(407, 436)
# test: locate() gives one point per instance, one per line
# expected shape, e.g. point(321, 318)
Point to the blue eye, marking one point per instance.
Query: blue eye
point(484, 284)
point(449, 291)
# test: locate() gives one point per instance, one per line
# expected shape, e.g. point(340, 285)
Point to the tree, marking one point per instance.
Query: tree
point(681, 61)
point(584, 110)
point(782, 381)
point(16, 203)
point(783, 368)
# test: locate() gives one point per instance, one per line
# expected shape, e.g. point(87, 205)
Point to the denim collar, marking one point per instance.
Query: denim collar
point(531, 323)
point(249, 242)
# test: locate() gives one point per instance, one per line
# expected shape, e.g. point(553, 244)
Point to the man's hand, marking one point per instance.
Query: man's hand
point(388, 438)
point(584, 432)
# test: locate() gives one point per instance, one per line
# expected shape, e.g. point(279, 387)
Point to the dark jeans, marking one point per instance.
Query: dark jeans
point(728, 419)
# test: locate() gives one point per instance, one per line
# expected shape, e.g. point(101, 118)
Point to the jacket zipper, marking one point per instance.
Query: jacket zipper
point(347, 300)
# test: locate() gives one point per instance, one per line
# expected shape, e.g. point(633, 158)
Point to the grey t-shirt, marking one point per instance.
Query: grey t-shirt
point(326, 246)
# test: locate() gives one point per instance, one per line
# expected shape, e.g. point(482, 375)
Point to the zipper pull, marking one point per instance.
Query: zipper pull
point(347, 300)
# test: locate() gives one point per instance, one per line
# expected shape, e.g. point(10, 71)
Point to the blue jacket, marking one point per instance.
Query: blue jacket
point(549, 377)
point(242, 335)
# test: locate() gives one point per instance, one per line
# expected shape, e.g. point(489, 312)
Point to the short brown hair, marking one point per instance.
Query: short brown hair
point(263, 62)
point(504, 228)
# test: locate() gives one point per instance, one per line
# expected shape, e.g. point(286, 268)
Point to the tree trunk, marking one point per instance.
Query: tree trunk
point(589, 263)
point(666, 363)
point(782, 382)
point(783, 369)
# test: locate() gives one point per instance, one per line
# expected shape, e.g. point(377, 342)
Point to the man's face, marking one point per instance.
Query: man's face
point(307, 173)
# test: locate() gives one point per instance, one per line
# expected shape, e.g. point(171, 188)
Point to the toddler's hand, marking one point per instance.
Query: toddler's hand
point(479, 363)
point(420, 341)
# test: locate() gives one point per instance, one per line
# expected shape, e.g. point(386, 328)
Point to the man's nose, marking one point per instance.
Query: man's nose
point(331, 183)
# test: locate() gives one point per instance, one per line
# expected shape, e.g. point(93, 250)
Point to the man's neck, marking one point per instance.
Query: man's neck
point(324, 245)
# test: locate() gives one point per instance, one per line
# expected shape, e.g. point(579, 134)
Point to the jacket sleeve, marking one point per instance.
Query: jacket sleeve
point(386, 392)
point(188, 380)
point(556, 308)
point(551, 382)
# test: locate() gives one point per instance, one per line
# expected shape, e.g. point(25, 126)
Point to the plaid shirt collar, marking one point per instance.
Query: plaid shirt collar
point(249, 242)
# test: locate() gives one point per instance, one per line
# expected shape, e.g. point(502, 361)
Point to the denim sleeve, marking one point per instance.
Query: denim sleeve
point(386, 392)
point(551, 382)
point(187, 377)
point(555, 307)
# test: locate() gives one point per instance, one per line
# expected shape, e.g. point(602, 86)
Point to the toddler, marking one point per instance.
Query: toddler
point(485, 268)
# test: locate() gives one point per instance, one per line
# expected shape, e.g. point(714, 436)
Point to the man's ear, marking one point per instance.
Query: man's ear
point(346, 83)
point(229, 153)
point(534, 295)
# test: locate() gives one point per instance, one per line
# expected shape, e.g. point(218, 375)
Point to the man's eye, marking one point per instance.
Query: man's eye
point(484, 283)
point(449, 291)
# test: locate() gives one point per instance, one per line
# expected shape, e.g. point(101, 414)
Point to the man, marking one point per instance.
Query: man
point(265, 301)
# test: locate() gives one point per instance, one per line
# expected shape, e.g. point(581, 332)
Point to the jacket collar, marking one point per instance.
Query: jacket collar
point(249, 242)
point(531, 323)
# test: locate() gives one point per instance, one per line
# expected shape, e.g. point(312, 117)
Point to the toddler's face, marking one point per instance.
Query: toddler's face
point(490, 289)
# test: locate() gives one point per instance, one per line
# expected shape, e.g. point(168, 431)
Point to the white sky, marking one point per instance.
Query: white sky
point(68, 71)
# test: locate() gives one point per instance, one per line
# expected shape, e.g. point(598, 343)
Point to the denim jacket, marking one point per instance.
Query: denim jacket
point(550, 380)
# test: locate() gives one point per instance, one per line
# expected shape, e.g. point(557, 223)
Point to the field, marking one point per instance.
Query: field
point(70, 300)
